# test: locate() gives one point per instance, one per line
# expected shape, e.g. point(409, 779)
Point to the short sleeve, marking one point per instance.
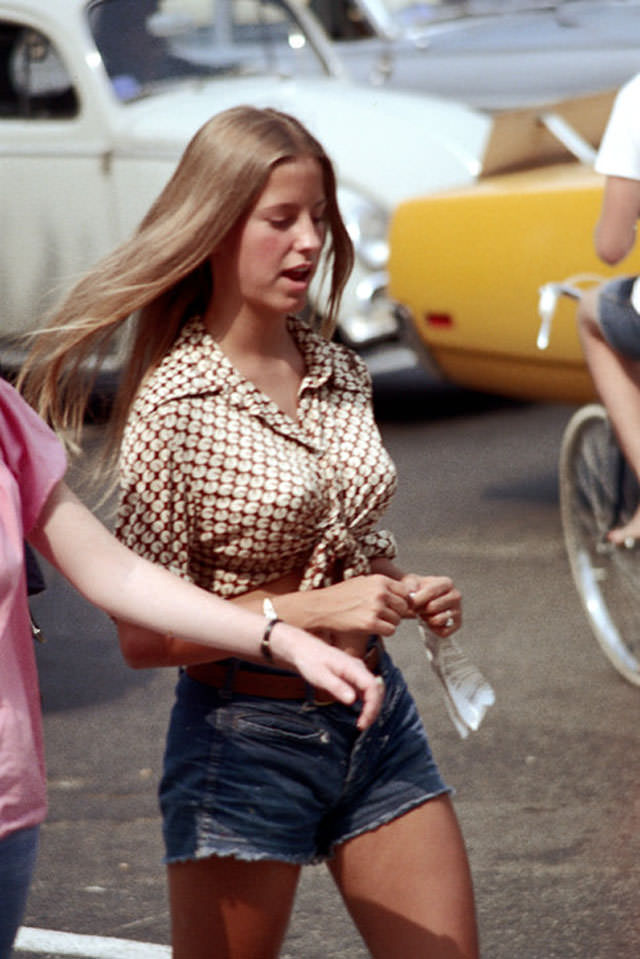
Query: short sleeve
point(153, 510)
point(32, 453)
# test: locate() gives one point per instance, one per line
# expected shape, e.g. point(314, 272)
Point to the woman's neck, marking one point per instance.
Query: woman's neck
point(243, 332)
point(263, 350)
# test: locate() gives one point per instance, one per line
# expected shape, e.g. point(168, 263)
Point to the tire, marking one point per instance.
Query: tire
point(597, 492)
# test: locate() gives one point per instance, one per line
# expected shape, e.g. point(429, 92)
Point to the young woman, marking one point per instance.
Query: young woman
point(35, 502)
point(251, 464)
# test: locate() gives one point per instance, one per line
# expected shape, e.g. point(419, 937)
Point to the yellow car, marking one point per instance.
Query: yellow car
point(467, 265)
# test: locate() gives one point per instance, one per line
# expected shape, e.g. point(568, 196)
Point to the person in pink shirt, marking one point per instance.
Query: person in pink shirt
point(36, 505)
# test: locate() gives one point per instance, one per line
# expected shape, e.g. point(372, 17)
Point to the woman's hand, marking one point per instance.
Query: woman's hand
point(370, 605)
point(436, 600)
point(344, 677)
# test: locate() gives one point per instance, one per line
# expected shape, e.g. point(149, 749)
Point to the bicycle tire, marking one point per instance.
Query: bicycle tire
point(597, 492)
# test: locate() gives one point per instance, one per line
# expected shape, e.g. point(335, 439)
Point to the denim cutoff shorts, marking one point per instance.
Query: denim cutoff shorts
point(618, 320)
point(257, 778)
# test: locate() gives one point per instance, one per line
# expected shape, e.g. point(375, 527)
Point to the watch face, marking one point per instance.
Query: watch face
point(269, 610)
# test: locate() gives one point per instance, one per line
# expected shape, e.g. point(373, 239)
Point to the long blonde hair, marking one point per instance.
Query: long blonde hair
point(161, 276)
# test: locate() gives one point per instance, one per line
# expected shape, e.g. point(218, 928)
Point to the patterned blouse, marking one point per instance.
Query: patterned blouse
point(218, 484)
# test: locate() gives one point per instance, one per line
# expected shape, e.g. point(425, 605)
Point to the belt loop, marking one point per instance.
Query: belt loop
point(309, 696)
point(374, 645)
point(312, 697)
point(226, 691)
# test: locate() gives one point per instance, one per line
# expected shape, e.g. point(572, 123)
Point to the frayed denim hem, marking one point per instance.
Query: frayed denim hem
point(244, 855)
point(234, 851)
point(387, 818)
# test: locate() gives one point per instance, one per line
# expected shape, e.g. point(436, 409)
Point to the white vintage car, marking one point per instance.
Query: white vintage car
point(492, 54)
point(98, 98)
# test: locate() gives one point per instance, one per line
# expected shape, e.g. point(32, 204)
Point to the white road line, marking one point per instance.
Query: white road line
point(88, 947)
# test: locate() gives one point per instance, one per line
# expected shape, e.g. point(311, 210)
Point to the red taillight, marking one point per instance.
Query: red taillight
point(439, 319)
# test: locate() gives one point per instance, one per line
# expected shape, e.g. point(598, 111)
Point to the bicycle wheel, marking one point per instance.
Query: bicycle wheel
point(599, 491)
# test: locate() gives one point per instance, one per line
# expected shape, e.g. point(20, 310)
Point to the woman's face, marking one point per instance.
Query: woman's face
point(268, 261)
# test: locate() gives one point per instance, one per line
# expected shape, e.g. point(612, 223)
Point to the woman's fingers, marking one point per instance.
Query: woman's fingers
point(393, 605)
point(372, 699)
point(370, 690)
point(445, 622)
point(347, 678)
point(368, 604)
point(342, 676)
point(438, 603)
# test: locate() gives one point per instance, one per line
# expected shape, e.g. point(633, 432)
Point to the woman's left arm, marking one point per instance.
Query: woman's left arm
point(435, 599)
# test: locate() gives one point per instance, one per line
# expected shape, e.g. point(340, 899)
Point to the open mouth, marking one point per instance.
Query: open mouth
point(299, 274)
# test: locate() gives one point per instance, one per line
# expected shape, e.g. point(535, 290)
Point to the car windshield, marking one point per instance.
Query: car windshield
point(147, 44)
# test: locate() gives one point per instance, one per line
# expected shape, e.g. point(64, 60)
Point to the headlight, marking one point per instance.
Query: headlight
point(367, 225)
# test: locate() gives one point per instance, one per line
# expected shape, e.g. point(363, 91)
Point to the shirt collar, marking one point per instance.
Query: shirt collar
point(196, 366)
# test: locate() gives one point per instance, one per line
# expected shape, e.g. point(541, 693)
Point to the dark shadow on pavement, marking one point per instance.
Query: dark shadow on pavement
point(79, 664)
point(411, 395)
point(538, 488)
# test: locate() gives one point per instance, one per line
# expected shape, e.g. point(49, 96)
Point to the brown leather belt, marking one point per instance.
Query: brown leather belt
point(270, 685)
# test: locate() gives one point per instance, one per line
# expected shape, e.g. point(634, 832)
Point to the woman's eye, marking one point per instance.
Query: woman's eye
point(281, 223)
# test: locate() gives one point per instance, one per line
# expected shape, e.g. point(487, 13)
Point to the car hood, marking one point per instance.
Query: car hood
point(391, 145)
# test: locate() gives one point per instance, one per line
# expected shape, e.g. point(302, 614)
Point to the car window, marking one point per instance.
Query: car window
point(146, 45)
point(34, 82)
point(343, 21)
point(356, 19)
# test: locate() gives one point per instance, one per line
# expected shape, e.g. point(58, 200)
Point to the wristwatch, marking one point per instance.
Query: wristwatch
point(272, 618)
point(269, 611)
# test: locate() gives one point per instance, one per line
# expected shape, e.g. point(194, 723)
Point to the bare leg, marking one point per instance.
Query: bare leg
point(617, 380)
point(407, 886)
point(230, 909)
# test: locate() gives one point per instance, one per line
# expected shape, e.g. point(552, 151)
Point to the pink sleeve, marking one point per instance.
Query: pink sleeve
point(31, 451)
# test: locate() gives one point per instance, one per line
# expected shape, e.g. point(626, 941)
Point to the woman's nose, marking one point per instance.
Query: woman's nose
point(310, 234)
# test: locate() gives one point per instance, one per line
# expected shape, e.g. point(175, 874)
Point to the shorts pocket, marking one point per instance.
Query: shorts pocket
point(268, 721)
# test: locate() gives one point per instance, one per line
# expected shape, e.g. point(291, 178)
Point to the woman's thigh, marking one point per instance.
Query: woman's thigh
point(407, 886)
point(230, 908)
